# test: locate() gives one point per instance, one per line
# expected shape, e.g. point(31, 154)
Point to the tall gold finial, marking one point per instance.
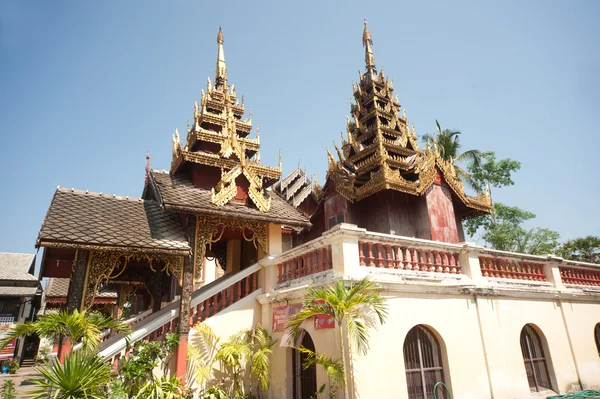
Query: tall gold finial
point(221, 67)
point(368, 42)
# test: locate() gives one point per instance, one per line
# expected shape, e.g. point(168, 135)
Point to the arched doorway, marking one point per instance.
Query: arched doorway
point(423, 363)
point(304, 380)
point(597, 337)
point(535, 359)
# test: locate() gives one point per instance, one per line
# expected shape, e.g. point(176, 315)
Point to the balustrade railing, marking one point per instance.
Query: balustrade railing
point(573, 275)
point(404, 257)
point(511, 268)
point(206, 302)
point(305, 264)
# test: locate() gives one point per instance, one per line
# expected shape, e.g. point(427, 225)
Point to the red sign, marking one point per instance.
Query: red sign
point(323, 320)
point(279, 318)
point(9, 350)
point(281, 315)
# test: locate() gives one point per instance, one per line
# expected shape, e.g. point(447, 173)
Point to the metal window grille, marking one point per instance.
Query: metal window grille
point(423, 364)
point(535, 361)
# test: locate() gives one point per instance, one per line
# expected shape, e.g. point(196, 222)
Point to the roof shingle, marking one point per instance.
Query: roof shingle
point(59, 288)
point(86, 218)
point(16, 266)
point(179, 193)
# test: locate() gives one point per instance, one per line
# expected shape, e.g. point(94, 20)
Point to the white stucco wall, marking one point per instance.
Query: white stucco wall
point(455, 321)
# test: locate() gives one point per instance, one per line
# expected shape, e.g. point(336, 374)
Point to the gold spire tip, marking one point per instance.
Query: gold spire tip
point(220, 36)
point(366, 35)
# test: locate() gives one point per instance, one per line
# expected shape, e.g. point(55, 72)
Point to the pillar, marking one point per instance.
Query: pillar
point(156, 289)
point(77, 284)
point(234, 256)
point(344, 249)
point(184, 317)
point(552, 271)
point(469, 262)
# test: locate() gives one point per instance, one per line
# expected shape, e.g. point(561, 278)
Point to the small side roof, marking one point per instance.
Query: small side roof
point(85, 219)
point(17, 267)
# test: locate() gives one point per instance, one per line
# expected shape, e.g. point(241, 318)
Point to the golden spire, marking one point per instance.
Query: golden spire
point(221, 76)
point(368, 42)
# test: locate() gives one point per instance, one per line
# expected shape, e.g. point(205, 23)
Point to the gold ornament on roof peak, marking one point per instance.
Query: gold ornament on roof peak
point(366, 35)
point(220, 36)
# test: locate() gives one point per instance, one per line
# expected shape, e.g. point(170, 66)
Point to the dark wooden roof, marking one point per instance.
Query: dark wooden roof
point(81, 218)
point(178, 193)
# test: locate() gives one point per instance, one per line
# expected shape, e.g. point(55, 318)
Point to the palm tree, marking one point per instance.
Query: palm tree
point(251, 347)
point(586, 249)
point(447, 143)
point(85, 327)
point(82, 375)
point(354, 307)
point(162, 388)
point(260, 361)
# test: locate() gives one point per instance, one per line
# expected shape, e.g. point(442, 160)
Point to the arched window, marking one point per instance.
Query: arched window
point(597, 336)
point(305, 380)
point(423, 363)
point(535, 360)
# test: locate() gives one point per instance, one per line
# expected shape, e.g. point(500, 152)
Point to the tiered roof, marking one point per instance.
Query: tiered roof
point(381, 151)
point(297, 186)
point(219, 138)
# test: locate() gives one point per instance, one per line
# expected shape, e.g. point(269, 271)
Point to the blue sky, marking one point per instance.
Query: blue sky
point(86, 88)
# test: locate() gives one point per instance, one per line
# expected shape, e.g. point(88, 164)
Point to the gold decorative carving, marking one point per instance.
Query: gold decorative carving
point(382, 151)
point(108, 265)
point(211, 229)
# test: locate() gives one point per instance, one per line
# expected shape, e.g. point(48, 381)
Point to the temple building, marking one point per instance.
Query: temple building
point(20, 294)
point(221, 238)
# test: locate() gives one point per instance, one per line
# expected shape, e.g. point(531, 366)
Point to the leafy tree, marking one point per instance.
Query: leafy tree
point(137, 371)
point(85, 327)
point(503, 230)
point(492, 173)
point(448, 145)
point(355, 308)
point(585, 249)
point(83, 375)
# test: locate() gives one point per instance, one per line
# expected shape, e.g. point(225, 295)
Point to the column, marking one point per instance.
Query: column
point(156, 289)
point(78, 280)
point(234, 252)
point(184, 317)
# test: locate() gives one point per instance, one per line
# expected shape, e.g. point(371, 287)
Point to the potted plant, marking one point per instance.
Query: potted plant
point(13, 366)
point(4, 365)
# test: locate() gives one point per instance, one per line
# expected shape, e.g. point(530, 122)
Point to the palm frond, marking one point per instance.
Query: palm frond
point(16, 331)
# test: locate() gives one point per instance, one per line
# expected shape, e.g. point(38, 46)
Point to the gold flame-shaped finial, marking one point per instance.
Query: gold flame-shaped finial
point(220, 36)
point(366, 35)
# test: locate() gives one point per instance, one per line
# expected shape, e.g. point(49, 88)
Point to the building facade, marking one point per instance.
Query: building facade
point(221, 239)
